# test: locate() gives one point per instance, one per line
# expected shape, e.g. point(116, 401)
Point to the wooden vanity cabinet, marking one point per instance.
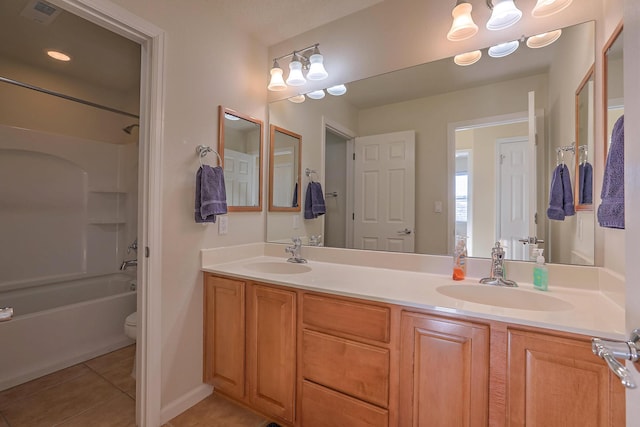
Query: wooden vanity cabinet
point(444, 372)
point(558, 381)
point(250, 344)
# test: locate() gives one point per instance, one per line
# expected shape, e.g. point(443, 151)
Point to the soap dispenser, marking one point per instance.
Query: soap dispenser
point(540, 272)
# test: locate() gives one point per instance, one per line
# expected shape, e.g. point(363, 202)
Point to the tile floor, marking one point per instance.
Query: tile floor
point(101, 393)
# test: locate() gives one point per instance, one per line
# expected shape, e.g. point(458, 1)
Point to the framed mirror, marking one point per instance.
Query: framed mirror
point(613, 95)
point(441, 101)
point(284, 170)
point(585, 144)
point(240, 142)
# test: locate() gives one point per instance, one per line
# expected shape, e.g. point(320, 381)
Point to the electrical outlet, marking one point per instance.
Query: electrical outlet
point(223, 224)
point(296, 222)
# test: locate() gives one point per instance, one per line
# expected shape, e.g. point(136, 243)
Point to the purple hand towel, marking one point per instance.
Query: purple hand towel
point(585, 172)
point(611, 210)
point(211, 195)
point(567, 192)
point(317, 199)
point(556, 196)
point(308, 212)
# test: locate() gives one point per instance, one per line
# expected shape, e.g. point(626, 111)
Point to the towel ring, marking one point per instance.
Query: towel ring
point(310, 172)
point(202, 150)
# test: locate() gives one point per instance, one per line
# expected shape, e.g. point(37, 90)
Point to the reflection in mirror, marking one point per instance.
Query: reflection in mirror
point(240, 139)
point(613, 87)
point(435, 100)
point(284, 170)
point(585, 142)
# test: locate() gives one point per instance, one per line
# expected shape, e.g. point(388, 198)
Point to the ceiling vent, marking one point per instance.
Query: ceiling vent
point(40, 11)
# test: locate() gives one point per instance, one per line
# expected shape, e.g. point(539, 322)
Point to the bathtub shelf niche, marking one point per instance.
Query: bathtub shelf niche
point(106, 207)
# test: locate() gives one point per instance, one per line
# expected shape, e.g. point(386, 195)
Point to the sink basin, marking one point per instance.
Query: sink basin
point(273, 267)
point(505, 297)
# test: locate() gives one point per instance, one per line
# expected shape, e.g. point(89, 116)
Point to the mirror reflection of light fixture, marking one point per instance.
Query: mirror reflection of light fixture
point(337, 90)
point(467, 58)
point(231, 117)
point(504, 14)
point(309, 60)
point(544, 39)
point(463, 26)
point(298, 99)
point(503, 49)
point(277, 82)
point(316, 94)
point(549, 7)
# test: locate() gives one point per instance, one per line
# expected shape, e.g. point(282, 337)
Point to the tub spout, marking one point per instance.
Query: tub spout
point(129, 263)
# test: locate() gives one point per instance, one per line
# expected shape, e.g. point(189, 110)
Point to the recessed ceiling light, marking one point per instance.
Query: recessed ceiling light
point(55, 54)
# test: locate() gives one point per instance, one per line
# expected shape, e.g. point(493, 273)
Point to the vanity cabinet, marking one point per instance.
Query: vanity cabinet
point(250, 344)
point(558, 381)
point(444, 372)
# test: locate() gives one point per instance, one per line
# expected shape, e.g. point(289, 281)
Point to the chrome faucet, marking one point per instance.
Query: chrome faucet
point(497, 277)
point(295, 251)
point(129, 263)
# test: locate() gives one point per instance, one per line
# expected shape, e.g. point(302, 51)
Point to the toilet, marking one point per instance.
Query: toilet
point(131, 330)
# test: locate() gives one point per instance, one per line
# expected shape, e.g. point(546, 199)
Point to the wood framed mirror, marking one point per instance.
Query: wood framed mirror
point(585, 142)
point(613, 78)
point(284, 170)
point(240, 142)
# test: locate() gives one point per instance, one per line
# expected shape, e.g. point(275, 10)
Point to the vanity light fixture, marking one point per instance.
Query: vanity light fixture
point(467, 58)
point(316, 94)
point(504, 14)
point(544, 39)
point(231, 117)
point(503, 49)
point(60, 56)
point(308, 59)
point(337, 90)
point(463, 26)
point(549, 7)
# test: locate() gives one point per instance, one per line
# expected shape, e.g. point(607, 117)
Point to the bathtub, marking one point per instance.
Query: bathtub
point(60, 324)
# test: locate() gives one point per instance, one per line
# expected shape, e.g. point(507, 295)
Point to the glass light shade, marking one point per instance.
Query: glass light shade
point(503, 49)
point(316, 94)
point(504, 14)
point(231, 117)
point(463, 26)
point(467, 58)
point(549, 7)
point(295, 74)
point(337, 90)
point(276, 83)
point(298, 99)
point(544, 39)
point(316, 69)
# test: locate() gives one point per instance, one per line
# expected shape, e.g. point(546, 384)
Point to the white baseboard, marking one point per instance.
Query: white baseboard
point(185, 402)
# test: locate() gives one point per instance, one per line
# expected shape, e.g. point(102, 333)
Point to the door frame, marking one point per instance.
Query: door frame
point(152, 74)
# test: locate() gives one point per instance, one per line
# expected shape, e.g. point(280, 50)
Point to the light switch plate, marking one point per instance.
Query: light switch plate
point(437, 206)
point(223, 224)
point(296, 222)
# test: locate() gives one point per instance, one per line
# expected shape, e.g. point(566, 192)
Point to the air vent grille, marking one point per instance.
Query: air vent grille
point(40, 11)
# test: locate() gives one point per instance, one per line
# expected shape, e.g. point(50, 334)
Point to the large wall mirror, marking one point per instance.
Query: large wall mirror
point(284, 170)
point(240, 140)
point(613, 93)
point(585, 143)
point(470, 123)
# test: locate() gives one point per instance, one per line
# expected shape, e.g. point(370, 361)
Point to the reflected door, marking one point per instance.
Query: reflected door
point(384, 199)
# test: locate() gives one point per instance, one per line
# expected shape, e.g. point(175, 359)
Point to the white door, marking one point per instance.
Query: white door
point(384, 199)
point(513, 196)
point(239, 172)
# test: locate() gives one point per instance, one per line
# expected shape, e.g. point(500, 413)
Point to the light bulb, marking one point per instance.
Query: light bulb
point(503, 49)
point(504, 14)
point(544, 39)
point(295, 73)
point(463, 26)
point(549, 7)
point(337, 90)
point(316, 69)
point(276, 83)
point(467, 58)
point(316, 94)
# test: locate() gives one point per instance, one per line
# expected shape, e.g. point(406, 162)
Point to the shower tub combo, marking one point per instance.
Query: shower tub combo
point(60, 324)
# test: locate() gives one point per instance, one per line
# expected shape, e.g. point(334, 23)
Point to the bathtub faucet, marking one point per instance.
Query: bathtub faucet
point(129, 263)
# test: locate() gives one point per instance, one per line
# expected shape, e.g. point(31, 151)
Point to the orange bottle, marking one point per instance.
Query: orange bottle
point(460, 259)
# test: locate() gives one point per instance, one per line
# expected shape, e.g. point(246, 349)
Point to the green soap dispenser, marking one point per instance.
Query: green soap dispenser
point(540, 272)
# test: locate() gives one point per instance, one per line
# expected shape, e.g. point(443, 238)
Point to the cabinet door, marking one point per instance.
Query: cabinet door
point(224, 340)
point(272, 350)
point(555, 381)
point(444, 372)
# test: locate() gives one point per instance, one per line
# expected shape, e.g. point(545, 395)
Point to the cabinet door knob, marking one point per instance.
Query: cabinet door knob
point(611, 350)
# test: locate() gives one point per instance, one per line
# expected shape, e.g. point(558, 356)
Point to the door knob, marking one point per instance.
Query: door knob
point(611, 350)
point(405, 231)
point(531, 240)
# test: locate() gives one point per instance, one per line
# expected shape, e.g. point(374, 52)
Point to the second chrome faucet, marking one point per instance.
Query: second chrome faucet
point(295, 251)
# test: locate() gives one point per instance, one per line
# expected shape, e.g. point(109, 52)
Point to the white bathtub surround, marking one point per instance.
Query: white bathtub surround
point(411, 280)
point(56, 326)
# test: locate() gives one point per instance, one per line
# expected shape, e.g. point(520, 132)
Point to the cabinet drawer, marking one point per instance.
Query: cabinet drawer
point(359, 370)
point(348, 317)
point(322, 407)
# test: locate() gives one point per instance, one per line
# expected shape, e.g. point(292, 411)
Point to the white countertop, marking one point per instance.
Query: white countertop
point(591, 312)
